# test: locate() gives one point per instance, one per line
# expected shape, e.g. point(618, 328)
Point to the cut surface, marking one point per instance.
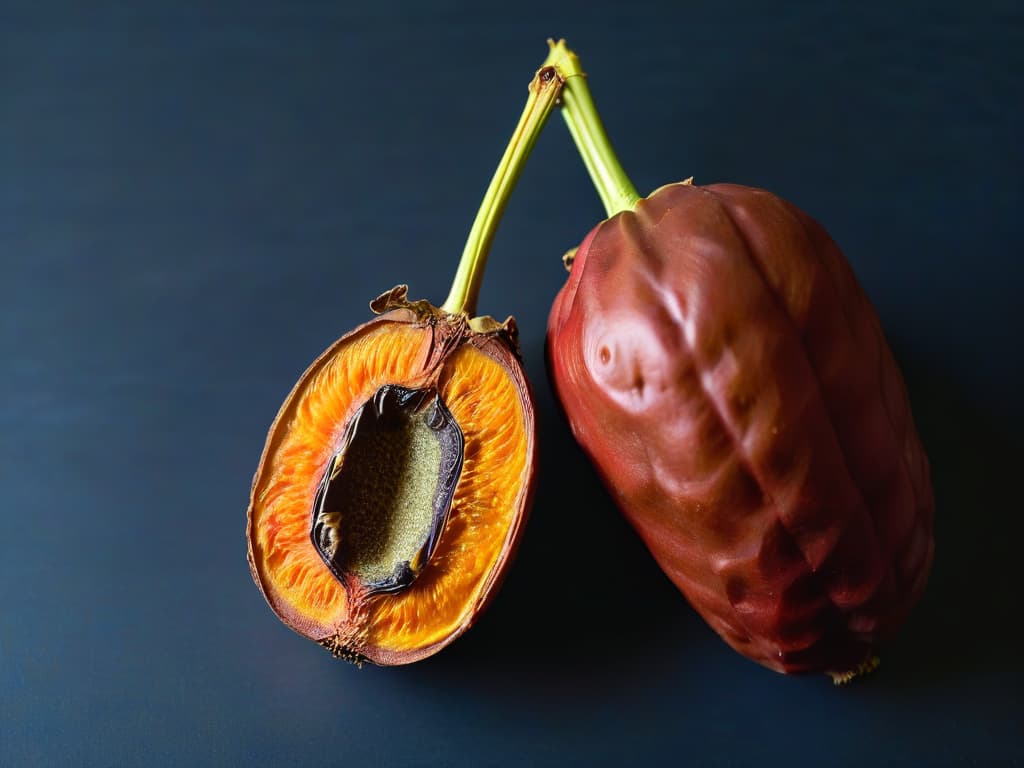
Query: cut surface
point(388, 576)
point(487, 405)
point(310, 430)
point(385, 496)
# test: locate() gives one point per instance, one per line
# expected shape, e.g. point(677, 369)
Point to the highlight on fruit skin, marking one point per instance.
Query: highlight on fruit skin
point(397, 476)
point(726, 374)
point(383, 597)
point(722, 367)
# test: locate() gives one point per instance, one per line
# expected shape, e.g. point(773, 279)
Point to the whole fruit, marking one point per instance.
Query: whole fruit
point(720, 364)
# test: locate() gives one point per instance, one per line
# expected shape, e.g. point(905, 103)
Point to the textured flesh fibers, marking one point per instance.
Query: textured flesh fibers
point(487, 404)
point(719, 362)
point(292, 571)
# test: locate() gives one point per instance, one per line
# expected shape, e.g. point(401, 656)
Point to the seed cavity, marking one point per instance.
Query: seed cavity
point(384, 498)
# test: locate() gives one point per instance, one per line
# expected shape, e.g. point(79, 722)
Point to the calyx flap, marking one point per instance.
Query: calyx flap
point(398, 298)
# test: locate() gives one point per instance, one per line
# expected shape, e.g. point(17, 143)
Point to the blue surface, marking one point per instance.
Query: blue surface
point(196, 198)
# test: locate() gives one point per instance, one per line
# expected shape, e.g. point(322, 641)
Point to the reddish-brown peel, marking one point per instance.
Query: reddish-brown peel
point(722, 367)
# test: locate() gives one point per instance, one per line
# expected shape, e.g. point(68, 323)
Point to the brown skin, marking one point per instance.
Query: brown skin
point(729, 378)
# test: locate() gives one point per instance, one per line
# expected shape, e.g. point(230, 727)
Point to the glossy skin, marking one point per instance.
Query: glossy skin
point(729, 378)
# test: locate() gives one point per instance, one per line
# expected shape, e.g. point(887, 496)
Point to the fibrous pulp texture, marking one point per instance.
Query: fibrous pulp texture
point(490, 408)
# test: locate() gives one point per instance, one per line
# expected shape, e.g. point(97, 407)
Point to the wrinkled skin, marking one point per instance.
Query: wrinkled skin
point(729, 378)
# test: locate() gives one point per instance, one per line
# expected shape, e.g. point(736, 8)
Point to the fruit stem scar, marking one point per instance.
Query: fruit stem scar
point(544, 91)
point(609, 177)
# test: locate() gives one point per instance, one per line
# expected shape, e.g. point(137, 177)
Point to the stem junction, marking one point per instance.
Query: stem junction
point(609, 177)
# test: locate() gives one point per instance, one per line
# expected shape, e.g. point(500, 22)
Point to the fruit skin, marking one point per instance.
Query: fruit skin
point(720, 364)
point(448, 333)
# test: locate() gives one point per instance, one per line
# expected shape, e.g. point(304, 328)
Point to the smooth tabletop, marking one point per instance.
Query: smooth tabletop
point(197, 198)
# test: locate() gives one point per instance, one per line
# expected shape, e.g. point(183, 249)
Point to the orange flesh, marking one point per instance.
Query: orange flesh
point(485, 403)
point(291, 569)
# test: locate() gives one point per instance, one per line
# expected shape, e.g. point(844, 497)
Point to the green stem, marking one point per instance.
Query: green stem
point(613, 185)
point(544, 91)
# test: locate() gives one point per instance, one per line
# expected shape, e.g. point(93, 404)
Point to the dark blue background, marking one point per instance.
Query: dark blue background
point(196, 198)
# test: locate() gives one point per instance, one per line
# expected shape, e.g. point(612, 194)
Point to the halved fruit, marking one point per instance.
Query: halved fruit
point(394, 484)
